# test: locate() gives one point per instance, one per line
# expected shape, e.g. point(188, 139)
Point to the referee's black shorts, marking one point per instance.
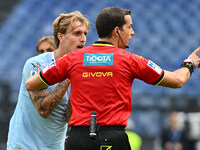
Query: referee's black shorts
point(107, 138)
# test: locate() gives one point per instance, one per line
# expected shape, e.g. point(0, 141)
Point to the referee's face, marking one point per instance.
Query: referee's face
point(127, 32)
point(75, 36)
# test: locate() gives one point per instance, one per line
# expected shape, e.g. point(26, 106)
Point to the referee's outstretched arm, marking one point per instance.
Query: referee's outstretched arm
point(179, 77)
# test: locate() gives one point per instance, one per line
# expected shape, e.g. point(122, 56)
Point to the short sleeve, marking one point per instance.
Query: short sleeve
point(56, 71)
point(146, 70)
point(30, 68)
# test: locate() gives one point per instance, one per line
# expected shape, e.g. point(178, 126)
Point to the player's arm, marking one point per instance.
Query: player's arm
point(46, 102)
point(180, 76)
point(69, 111)
point(53, 73)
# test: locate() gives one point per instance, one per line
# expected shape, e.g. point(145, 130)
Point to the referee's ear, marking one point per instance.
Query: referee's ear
point(116, 31)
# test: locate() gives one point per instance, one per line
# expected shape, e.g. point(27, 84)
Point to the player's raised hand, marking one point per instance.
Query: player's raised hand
point(195, 58)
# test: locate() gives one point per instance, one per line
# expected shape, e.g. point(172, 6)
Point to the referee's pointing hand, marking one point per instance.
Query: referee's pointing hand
point(195, 58)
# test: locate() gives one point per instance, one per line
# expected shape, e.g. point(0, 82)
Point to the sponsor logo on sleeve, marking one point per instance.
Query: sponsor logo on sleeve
point(155, 67)
point(98, 59)
point(53, 63)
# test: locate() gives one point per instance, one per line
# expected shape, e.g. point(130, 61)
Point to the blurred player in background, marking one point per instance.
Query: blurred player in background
point(175, 137)
point(101, 77)
point(46, 44)
point(39, 120)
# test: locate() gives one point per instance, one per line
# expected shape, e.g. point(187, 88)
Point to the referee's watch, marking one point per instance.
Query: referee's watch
point(188, 63)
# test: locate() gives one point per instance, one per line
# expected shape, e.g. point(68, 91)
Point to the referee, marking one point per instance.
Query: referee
point(101, 77)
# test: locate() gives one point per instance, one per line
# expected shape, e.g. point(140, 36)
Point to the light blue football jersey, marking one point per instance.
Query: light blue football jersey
point(27, 129)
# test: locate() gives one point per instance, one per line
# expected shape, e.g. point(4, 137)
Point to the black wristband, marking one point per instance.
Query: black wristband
point(188, 64)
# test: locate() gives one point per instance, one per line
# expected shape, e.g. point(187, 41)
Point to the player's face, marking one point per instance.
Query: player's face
point(75, 36)
point(127, 32)
point(45, 47)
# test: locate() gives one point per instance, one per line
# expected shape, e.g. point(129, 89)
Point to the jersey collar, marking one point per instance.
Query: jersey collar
point(102, 43)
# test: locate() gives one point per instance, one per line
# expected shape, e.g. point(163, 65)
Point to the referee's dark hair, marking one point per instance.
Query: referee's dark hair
point(108, 19)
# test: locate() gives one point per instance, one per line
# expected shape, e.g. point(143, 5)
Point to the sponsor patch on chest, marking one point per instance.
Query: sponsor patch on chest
point(98, 59)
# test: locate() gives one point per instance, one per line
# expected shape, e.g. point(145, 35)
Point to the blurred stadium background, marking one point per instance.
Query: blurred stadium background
point(166, 31)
